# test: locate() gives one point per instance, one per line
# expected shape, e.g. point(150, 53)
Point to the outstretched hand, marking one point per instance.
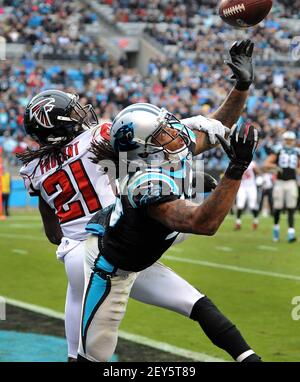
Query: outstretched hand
point(241, 64)
point(240, 149)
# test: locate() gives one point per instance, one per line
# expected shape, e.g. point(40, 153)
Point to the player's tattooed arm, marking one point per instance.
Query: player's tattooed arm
point(207, 218)
point(202, 143)
point(187, 217)
point(50, 222)
point(243, 72)
point(231, 109)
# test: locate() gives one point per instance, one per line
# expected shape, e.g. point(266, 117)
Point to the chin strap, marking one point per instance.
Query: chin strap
point(179, 156)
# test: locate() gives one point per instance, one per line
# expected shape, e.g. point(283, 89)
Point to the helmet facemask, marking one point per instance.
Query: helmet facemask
point(149, 134)
point(171, 137)
point(80, 118)
point(84, 116)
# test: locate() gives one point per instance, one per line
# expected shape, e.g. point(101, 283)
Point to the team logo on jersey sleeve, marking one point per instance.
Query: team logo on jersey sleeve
point(40, 111)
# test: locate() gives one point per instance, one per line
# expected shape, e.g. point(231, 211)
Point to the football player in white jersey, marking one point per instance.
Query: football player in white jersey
point(248, 195)
point(58, 122)
point(59, 173)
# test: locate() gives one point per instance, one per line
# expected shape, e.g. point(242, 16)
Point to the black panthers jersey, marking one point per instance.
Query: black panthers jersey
point(287, 160)
point(132, 240)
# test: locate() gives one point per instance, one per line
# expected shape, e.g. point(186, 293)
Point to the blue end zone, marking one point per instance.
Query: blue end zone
point(19, 196)
point(29, 347)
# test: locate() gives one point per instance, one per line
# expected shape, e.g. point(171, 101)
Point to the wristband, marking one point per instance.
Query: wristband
point(243, 86)
point(236, 170)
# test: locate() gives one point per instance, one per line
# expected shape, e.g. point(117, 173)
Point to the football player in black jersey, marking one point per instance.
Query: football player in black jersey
point(150, 211)
point(285, 161)
point(185, 297)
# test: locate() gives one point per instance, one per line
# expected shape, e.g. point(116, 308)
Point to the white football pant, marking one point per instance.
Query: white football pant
point(157, 285)
point(247, 194)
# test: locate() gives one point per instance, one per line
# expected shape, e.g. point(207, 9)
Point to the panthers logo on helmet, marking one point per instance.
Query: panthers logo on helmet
point(124, 137)
point(40, 111)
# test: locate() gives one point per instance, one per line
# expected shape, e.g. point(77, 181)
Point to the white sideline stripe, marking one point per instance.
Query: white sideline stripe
point(232, 268)
point(17, 237)
point(35, 308)
point(201, 357)
point(24, 217)
point(187, 260)
point(25, 225)
point(267, 248)
point(224, 249)
point(175, 249)
point(20, 251)
point(190, 261)
point(226, 234)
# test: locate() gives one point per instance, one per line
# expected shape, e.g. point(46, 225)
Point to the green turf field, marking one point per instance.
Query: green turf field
point(244, 273)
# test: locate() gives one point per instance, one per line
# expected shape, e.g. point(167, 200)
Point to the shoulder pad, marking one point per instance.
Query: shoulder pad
point(102, 132)
point(27, 173)
point(149, 187)
point(28, 169)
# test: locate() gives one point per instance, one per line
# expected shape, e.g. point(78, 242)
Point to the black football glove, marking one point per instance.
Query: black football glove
point(241, 64)
point(240, 150)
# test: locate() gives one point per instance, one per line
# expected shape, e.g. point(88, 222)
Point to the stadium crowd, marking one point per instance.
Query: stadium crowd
point(185, 85)
point(178, 11)
point(205, 39)
point(192, 26)
point(55, 29)
point(51, 28)
point(185, 89)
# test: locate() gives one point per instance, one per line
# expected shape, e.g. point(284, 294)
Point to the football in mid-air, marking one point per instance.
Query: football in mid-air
point(244, 13)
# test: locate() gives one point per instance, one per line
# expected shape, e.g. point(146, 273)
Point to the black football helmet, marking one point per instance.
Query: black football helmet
point(54, 116)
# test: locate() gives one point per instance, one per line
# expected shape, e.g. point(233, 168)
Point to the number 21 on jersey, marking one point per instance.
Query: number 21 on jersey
point(62, 179)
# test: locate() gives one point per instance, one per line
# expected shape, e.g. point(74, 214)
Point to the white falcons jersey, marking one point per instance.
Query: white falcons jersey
point(249, 179)
point(75, 190)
